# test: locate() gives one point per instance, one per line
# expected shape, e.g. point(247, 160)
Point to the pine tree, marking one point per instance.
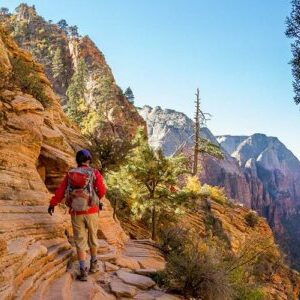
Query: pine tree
point(4, 11)
point(62, 24)
point(57, 64)
point(293, 32)
point(154, 177)
point(76, 108)
point(129, 95)
point(73, 30)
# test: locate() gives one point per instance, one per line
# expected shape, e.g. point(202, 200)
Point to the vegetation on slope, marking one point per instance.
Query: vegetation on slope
point(24, 75)
point(79, 75)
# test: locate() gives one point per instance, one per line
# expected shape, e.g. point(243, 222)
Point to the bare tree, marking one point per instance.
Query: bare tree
point(197, 133)
point(200, 120)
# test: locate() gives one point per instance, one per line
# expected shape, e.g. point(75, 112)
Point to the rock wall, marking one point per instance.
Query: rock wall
point(37, 146)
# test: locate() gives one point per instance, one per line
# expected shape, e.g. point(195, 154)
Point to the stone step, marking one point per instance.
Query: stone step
point(68, 288)
point(140, 281)
point(108, 256)
point(121, 289)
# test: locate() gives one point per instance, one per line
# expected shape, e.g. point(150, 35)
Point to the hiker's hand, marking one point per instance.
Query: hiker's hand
point(50, 210)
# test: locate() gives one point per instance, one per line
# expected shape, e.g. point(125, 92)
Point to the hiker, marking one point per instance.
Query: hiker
point(82, 188)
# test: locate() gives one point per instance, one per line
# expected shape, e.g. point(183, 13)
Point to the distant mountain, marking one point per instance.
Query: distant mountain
point(257, 170)
point(167, 129)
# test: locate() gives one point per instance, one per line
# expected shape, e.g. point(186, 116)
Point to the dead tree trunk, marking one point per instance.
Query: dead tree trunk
point(197, 133)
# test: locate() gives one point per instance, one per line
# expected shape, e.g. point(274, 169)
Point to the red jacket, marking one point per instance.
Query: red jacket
point(98, 185)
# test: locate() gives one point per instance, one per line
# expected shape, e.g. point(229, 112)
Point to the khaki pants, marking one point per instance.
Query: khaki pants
point(85, 229)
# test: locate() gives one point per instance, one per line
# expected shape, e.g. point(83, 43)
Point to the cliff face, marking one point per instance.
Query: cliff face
point(59, 49)
point(167, 129)
point(273, 175)
point(258, 171)
point(37, 148)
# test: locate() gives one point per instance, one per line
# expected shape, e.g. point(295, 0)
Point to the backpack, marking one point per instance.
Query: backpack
point(80, 192)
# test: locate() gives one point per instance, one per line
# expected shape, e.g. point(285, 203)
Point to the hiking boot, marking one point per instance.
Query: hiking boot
point(83, 276)
point(94, 266)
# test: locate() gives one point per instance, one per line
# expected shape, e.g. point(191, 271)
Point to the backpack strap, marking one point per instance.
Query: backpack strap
point(92, 178)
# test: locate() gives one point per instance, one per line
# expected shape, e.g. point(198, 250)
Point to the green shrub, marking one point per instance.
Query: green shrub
point(267, 264)
point(244, 290)
point(251, 219)
point(173, 238)
point(110, 150)
point(207, 269)
point(250, 294)
point(195, 268)
point(27, 79)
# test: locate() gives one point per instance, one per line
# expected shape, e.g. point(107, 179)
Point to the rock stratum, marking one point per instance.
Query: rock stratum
point(258, 171)
point(37, 148)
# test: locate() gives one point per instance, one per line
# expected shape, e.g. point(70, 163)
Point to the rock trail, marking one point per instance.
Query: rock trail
point(113, 281)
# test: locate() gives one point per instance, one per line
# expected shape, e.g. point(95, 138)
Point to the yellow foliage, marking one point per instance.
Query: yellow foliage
point(193, 184)
point(90, 123)
point(218, 195)
point(215, 193)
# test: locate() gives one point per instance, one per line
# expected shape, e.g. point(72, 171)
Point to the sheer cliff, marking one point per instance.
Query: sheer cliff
point(273, 175)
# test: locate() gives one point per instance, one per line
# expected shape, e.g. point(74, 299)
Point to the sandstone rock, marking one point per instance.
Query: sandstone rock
point(139, 281)
point(123, 118)
point(103, 247)
point(127, 262)
point(110, 267)
point(145, 253)
point(110, 256)
point(120, 289)
point(26, 102)
point(146, 272)
point(111, 229)
point(168, 297)
point(37, 148)
point(145, 296)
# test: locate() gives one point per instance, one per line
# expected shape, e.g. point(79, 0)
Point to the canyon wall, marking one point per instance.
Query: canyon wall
point(257, 171)
point(37, 147)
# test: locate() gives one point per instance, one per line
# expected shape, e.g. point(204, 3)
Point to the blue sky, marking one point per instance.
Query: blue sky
point(235, 51)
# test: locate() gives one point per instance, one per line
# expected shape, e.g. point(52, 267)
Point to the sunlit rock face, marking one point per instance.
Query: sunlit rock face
point(258, 171)
point(43, 39)
point(37, 147)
